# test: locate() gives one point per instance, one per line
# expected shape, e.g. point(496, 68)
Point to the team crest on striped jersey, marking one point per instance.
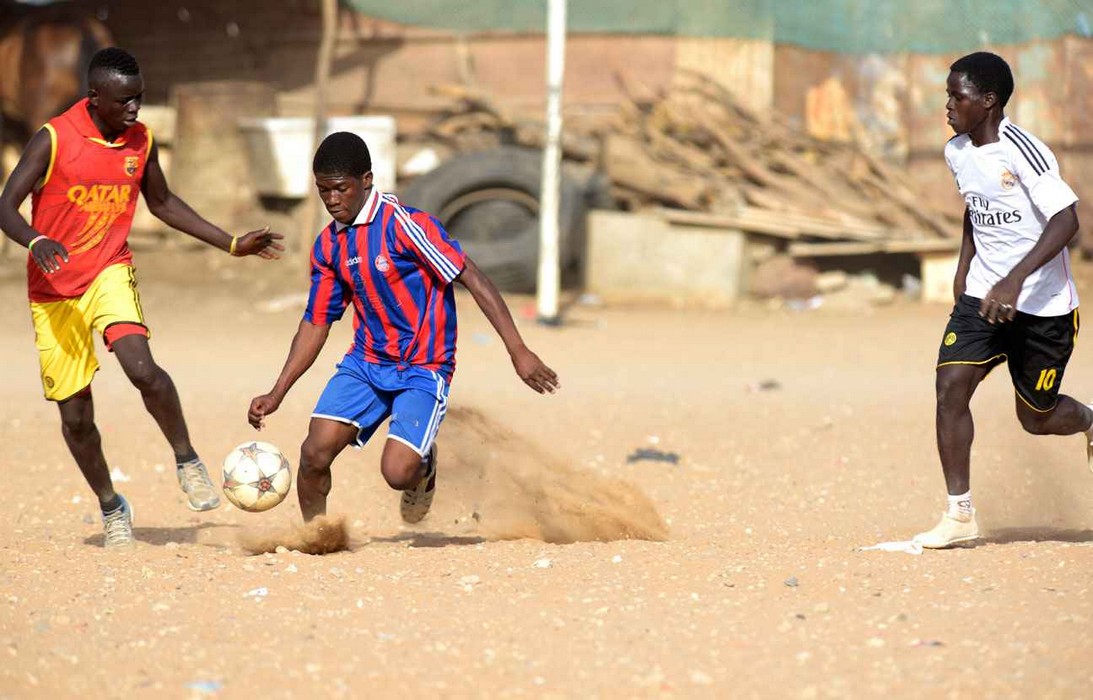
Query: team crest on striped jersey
point(381, 263)
point(1008, 180)
point(131, 163)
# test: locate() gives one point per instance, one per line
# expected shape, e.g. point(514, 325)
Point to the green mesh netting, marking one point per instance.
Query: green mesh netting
point(849, 26)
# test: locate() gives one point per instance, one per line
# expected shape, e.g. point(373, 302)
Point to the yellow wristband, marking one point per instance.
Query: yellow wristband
point(231, 248)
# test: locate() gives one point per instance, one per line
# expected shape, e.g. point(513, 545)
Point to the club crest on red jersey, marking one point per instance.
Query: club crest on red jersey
point(131, 163)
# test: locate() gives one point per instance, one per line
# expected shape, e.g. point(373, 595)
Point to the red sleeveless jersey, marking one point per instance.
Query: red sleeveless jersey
point(86, 201)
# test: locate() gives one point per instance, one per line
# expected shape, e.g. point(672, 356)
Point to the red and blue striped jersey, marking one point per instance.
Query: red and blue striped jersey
point(395, 265)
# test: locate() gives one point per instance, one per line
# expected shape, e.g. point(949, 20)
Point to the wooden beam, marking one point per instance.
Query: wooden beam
point(787, 225)
point(922, 245)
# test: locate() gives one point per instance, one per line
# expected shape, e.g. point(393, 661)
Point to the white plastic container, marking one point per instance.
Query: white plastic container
point(378, 131)
point(280, 151)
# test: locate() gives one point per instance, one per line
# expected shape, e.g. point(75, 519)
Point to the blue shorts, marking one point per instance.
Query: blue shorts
point(365, 393)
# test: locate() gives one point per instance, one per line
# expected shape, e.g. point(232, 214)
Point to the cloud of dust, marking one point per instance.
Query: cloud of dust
point(1038, 494)
point(323, 535)
point(518, 490)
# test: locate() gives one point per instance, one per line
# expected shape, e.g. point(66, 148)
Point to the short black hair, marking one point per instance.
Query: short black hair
point(988, 72)
point(342, 153)
point(112, 60)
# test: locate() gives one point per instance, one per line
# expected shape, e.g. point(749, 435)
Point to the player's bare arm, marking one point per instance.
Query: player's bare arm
point(964, 261)
point(168, 207)
point(1001, 302)
point(48, 254)
point(306, 345)
point(527, 364)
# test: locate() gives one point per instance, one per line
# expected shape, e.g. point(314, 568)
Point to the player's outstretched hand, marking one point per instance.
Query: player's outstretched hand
point(48, 254)
point(534, 373)
point(260, 407)
point(262, 243)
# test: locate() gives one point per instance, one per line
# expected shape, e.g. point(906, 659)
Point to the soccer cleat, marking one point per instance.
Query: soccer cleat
point(953, 528)
point(118, 526)
point(416, 502)
point(195, 483)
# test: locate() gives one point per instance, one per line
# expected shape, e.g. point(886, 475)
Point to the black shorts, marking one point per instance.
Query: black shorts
point(1036, 347)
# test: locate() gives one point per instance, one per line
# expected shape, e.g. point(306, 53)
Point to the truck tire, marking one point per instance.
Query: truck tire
point(489, 202)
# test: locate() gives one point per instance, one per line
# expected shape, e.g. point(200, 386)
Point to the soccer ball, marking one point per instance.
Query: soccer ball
point(256, 476)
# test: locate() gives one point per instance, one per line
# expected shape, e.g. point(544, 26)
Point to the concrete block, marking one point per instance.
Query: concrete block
point(642, 257)
point(938, 270)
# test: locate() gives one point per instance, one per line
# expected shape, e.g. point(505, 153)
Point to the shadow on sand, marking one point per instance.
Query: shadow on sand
point(1009, 535)
point(430, 539)
point(159, 536)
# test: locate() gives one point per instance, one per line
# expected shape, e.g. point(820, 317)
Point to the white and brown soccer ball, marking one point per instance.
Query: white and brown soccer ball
point(256, 476)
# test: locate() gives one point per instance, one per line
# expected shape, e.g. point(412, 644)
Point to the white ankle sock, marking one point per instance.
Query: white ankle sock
point(961, 505)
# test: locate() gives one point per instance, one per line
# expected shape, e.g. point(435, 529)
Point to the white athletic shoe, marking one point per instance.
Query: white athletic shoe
point(416, 502)
point(118, 526)
point(951, 529)
point(194, 481)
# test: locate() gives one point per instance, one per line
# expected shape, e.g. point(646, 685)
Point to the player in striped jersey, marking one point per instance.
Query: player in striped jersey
point(1015, 296)
point(395, 265)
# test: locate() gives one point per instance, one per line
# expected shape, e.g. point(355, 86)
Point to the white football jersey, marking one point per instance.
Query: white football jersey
point(1012, 188)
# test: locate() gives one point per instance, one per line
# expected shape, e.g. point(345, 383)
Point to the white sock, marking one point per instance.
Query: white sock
point(961, 505)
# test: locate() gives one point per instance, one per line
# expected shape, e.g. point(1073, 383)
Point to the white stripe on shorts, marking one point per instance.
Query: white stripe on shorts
point(438, 415)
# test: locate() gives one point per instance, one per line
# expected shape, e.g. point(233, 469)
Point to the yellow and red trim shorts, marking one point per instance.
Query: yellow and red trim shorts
point(64, 330)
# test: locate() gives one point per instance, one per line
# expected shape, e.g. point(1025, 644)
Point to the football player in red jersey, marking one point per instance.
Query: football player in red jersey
point(84, 170)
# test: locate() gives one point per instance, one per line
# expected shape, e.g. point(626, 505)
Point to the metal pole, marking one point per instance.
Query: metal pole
point(549, 277)
point(314, 214)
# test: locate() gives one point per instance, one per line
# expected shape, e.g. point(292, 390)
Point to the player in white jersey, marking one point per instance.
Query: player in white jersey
point(1014, 293)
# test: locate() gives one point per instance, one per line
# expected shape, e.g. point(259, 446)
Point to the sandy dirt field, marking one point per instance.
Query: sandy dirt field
point(758, 588)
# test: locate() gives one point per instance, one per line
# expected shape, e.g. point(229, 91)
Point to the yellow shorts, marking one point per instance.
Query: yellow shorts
point(63, 329)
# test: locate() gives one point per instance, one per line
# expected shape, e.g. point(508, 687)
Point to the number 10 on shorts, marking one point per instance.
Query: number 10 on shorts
point(1046, 380)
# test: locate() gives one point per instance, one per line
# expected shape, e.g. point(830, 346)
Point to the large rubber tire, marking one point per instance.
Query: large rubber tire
point(489, 202)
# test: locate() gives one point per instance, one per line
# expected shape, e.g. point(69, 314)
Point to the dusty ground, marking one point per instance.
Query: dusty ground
point(759, 589)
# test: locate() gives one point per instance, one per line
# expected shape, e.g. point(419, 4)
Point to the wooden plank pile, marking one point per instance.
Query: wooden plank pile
point(704, 159)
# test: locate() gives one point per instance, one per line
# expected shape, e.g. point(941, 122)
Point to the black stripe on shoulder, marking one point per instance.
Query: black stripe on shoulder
point(1028, 142)
point(1024, 136)
point(1021, 147)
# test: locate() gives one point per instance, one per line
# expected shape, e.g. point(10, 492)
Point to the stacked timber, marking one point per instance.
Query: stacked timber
point(702, 158)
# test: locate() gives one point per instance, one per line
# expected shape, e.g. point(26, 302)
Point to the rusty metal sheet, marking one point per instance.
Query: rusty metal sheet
point(1079, 94)
point(743, 66)
point(839, 97)
point(928, 131)
point(1039, 101)
point(880, 104)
